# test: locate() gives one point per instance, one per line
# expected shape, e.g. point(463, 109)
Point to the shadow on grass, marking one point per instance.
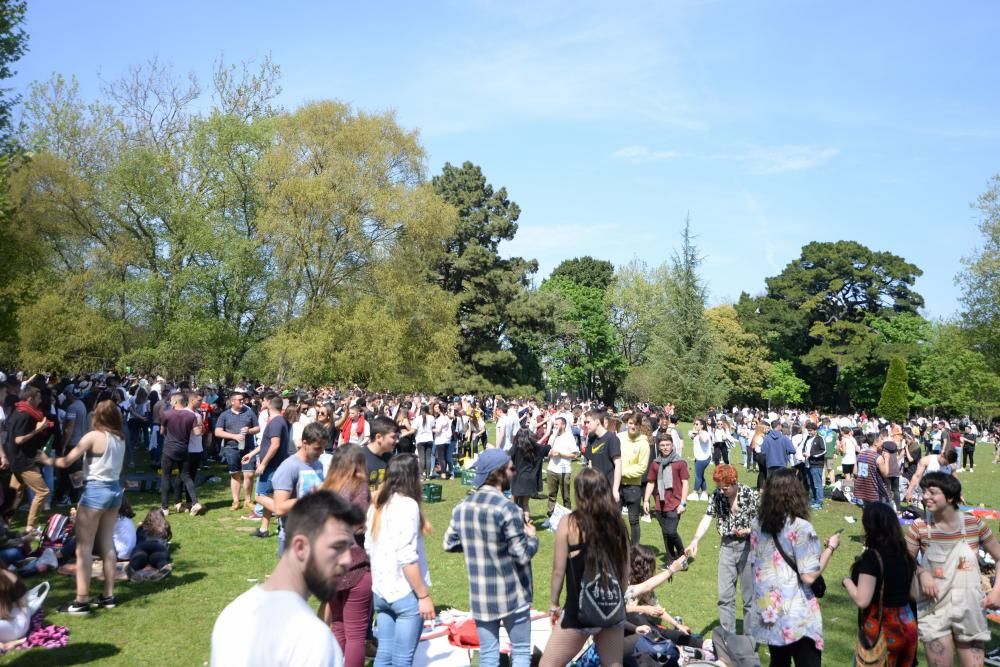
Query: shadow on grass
point(142, 590)
point(74, 654)
point(126, 592)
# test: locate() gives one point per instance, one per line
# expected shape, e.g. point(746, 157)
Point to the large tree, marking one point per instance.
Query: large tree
point(17, 242)
point(501, 321)
point(744, 355)
point(583, 356)
point(686, 366)
point(814, 311)
point(980, 279)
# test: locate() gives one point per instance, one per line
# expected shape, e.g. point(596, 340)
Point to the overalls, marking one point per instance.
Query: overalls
point(958, 608)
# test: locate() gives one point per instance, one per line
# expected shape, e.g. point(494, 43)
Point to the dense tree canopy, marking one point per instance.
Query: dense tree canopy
point(501, 321)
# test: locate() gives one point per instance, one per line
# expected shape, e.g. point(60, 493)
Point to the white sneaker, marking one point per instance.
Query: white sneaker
point(703, 496)
point(197, 509)
point(692, 496)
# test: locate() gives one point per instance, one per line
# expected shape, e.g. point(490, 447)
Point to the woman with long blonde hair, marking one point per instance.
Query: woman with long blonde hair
point(394, 540)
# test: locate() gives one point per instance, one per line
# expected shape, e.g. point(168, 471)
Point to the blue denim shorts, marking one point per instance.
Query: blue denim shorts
point(101, 495)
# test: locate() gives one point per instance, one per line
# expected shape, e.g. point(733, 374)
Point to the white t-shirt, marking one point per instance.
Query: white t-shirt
point(124, 537)
point(565, 444)
point(702, 445)
point(443, 427)
point(271, 628)
point(424, 425)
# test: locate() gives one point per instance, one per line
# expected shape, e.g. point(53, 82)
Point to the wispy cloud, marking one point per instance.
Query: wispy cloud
point(781, 159)
point(762, 160)
point(555, 64)
point(637, 153)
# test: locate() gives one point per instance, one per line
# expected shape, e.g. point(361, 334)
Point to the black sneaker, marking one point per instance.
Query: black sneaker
point(260, 533)
point(75, 608)
point(105, 602)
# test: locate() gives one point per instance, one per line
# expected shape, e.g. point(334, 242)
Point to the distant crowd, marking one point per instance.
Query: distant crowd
point(337, 475)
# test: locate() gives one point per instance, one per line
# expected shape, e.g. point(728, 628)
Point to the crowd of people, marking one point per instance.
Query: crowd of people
point(339, 476)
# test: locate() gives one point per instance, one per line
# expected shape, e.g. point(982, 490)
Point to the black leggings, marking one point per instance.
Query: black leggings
point(673, 546)
point(720, 452)
point(426, 451)
point(803, 653)
point(968, 457)
point(149, 552)
point(169, 461)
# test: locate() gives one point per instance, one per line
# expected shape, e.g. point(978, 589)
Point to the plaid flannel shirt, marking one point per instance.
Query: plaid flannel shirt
point(489, 528)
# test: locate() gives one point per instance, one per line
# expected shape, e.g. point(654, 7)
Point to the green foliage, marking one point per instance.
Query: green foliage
point(583, 355)
point(816, 312)
point(953, 378)
point(197, 242)
point(13, 45)
point(586, 271)
point(784, 387)
point(685, 365)
point(744, 355)
point(502, 322)
point(980, 279)
point(894, 403)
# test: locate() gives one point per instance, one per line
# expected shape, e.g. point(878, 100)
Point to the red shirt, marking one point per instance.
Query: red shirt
point(672, 495)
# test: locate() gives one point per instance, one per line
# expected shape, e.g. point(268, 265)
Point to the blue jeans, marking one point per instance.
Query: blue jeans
point(744, 445)
point(699, 475)
point(518, 627)
point(816, 485)
point(398, 629)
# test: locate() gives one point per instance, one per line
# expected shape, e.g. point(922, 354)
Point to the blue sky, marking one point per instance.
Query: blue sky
point(772, 123)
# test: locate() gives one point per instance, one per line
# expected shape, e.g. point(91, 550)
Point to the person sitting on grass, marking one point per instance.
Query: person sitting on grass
point(643, 610)
point(15, 617)
point(150, 558)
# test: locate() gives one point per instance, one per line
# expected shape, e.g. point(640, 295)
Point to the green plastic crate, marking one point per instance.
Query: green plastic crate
point(467, 476)
point(432, 493)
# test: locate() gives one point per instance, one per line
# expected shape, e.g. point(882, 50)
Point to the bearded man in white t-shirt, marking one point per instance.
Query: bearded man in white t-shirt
point(272, 624)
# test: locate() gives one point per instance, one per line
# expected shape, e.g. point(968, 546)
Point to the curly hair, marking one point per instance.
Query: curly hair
point(725, 475)
point(783, 498)
point(526, 444)
point(600, 524)
point(643, 566)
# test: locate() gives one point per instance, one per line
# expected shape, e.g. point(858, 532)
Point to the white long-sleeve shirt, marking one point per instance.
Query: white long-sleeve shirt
point(399, 543)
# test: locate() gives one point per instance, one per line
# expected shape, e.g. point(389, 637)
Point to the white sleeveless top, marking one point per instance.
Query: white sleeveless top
point(108, 466)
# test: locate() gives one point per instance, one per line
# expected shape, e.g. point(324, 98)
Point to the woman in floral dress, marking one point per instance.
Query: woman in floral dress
point(785, 614)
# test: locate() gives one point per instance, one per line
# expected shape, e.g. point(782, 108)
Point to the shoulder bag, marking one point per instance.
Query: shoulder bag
point(818, 587)
point(875, 654)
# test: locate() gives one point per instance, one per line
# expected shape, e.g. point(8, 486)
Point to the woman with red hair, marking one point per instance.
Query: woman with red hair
point(734, 506)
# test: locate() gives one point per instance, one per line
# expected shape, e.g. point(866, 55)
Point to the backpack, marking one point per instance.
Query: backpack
point(734, 650)
point(601, 603)
point(652, 652)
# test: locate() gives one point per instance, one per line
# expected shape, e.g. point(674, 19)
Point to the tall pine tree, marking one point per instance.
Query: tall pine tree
point(684, 360)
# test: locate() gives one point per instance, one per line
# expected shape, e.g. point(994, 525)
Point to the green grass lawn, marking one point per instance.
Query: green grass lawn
point(215, 559)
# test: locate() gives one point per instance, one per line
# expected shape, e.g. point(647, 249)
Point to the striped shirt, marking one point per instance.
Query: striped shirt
point(976, 533)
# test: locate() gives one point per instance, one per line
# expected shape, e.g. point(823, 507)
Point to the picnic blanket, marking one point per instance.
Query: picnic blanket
point(41, 635)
